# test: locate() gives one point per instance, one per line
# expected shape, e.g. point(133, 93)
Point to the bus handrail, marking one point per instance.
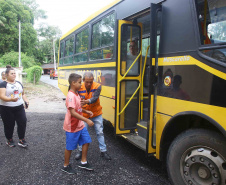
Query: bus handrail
point(129, 100)
point(142, 84)
point(130, 67)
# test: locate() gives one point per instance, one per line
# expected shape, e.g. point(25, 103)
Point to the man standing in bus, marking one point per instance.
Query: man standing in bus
point(131, 57)
point(90, 92)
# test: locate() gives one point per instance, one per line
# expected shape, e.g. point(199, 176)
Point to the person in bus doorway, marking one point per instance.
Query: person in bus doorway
point(131, 56)
point(90, 92)
point(76, 132)
point(12, 109)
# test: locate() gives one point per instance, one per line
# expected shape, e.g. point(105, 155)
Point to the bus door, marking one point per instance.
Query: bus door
point(155, 33)
point(128, 76)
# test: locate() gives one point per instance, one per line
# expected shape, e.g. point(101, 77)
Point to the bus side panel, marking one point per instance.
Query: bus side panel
point(104, 76)
point(108, 109)
point(193, 88)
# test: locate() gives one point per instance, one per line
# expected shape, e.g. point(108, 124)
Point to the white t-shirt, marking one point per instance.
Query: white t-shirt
point(12, 90)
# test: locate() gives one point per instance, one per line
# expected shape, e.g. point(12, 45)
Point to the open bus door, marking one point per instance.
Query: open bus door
point(130, 72)
point(128, 76)
point(130, 84)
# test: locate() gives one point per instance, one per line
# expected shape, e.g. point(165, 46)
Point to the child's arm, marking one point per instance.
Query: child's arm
point(80, 117)
point(87, 112)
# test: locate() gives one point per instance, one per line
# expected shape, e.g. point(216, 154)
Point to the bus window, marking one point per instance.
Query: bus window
point(212, 20)
point(81, 48)
point(101, 53)
point(69, 47)
point(103, 36)
point(61, 53)
point(130, 49)
point(145, 44)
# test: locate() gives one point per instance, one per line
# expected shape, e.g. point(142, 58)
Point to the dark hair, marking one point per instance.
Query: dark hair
point(74, 77)
point(168, 72)
point(8, 69)
point(178, 77)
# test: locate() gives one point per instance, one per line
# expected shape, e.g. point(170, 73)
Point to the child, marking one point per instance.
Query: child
point(76, 132)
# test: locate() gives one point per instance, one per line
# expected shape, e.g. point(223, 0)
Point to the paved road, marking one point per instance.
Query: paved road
point(46, 79)
point(42, 161)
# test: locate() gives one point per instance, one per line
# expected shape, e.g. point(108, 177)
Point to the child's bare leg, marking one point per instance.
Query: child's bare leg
point(84, 152)
point(67, 155)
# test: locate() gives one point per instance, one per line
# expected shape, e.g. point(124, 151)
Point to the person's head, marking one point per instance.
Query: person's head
point(133, 47)
point(88, 80)
point(10, 73)
point(177, 80)
point(3, 75)
point(75, 81)
point(168, 72)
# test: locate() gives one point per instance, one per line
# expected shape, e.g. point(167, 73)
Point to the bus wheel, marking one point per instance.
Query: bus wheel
point(197, 157)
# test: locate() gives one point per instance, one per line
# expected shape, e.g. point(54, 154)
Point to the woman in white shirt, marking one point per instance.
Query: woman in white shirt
point(12, 109)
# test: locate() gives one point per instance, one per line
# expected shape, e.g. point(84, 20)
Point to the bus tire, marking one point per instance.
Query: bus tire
point(197, 156)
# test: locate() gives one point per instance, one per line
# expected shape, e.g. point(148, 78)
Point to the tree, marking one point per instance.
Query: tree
point(27, 11)
point(218, 31)
point(2, 19)
point(34, 7)
point(11, 58)
point(49, 35)
point(12, 11)
point(34, 74)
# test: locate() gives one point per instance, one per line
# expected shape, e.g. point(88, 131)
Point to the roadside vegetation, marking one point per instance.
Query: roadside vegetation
point(36, 44)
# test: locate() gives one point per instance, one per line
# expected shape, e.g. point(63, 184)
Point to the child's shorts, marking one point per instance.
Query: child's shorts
point(73, 139)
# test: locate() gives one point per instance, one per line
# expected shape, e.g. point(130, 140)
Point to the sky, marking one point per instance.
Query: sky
point(66, 14)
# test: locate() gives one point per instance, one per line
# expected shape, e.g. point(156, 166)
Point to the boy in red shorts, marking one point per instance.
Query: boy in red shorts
point(76, 132)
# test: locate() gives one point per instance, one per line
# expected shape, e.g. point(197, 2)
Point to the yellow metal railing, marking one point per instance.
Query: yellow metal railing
point(142, 84)
point(135, 90)
point(130, 67)
point(129, 100)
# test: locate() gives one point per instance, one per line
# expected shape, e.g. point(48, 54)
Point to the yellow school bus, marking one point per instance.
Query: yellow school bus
point(162, 68)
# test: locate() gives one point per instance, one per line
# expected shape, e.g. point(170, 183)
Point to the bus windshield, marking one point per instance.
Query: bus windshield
point(212, 17)
point(212, 22)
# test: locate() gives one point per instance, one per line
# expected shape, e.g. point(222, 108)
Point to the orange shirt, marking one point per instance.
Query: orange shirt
point(72, 124)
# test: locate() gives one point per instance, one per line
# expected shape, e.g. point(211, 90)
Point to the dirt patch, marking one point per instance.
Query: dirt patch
point(44, 98)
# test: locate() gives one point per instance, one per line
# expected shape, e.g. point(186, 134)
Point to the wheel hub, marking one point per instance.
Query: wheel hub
point(202, 166)
point(203, 173)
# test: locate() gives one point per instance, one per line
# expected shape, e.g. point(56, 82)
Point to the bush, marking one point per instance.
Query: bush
point(37, 70)
point(12, 58)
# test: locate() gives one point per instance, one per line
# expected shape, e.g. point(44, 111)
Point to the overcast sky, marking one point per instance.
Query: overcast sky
point(66, 14)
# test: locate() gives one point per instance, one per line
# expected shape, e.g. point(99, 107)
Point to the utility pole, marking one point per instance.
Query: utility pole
point(19, 44)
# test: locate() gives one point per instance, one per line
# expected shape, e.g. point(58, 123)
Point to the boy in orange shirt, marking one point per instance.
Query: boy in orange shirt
point(76, 132)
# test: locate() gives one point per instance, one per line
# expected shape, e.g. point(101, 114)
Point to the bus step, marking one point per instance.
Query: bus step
point(136, 140)
point(142, 129)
